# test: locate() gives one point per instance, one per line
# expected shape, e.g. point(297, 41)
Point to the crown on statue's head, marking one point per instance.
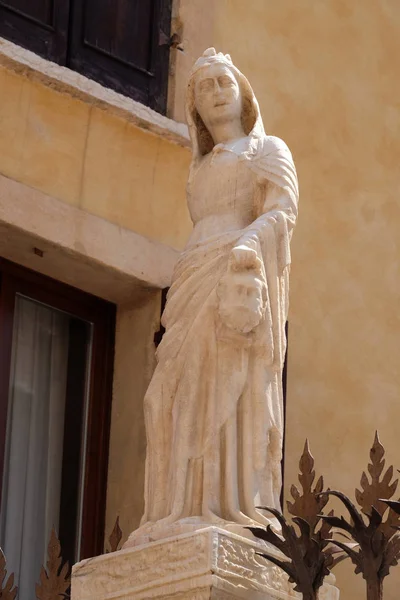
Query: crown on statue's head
point(211, 57)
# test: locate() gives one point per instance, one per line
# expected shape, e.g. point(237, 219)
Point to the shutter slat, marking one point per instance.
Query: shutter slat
point(116, 42)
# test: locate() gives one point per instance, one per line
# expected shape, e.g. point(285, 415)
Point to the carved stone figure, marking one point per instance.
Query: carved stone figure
point(213, 410)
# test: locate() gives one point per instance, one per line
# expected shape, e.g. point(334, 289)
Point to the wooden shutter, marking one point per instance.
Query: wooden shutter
point(39, 25)
point(124, 45)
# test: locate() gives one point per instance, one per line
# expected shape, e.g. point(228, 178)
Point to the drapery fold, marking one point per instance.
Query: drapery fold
point(214, 407)
point(215, 393)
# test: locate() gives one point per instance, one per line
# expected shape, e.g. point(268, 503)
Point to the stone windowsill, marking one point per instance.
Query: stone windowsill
point(66, 81)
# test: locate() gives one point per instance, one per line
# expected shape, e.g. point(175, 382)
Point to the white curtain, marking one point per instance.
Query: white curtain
point(34, 443)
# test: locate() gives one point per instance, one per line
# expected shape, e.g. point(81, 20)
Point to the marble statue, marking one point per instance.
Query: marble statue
point(213, 410)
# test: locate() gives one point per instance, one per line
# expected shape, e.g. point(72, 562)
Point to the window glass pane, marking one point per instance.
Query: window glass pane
point(49, 365)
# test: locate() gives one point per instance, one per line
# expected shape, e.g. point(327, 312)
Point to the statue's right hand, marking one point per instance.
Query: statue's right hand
point(244, 257)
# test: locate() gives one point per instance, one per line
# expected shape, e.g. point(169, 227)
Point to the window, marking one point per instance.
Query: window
point(123, 44)
point(56, 353)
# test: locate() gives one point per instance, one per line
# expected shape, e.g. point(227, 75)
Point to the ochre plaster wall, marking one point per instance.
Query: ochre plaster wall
point(194, 21)
point(137, 323)
point(326, 76)
point(89, 158)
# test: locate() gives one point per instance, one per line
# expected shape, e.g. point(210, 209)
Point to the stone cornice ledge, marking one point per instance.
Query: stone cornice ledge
point(64, 80)
point(79, 248)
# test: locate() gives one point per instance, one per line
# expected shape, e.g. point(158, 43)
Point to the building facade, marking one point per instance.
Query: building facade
point(94, 159)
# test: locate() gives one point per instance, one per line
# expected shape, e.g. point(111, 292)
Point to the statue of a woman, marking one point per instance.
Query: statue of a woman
point(213, 410)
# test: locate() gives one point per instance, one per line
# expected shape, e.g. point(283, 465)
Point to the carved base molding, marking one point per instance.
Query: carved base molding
point(207, 564)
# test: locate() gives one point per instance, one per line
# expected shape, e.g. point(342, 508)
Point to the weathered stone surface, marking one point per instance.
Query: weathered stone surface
point(207, 564)
point(216, 393)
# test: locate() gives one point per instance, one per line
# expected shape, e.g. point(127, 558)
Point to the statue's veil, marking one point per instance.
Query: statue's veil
point(202, 142)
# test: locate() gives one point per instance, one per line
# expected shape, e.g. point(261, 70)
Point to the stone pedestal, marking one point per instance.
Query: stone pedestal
point(203, 565)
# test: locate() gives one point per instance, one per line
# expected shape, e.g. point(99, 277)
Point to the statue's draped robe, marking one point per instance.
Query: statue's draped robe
point(213, 410)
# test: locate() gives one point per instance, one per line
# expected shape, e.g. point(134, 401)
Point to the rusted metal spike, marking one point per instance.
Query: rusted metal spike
point(309, 503)
point(7, 589)
point(55, 580)
point(306, 546)
point(378, 542)
point(115, 537)
point(381, 484)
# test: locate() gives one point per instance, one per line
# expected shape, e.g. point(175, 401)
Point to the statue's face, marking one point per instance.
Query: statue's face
point(217, 95)
point(242, 301)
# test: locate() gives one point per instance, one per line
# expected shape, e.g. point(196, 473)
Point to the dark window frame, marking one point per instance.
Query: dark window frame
point(148, 86)
point(49, 41)
point(63, 41)
point(15, 279)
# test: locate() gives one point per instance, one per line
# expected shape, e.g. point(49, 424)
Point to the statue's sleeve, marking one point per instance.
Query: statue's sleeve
point(276, 205)
point(275, 170)
point(267, 239)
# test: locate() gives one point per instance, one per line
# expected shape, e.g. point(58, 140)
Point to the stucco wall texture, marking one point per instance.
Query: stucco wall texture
point(94, 160)
point(326, 76)
point(325, 73)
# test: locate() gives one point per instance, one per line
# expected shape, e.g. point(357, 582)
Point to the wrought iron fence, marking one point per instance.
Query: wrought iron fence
point(54, 579)
point(316, 542)
point(311, 545)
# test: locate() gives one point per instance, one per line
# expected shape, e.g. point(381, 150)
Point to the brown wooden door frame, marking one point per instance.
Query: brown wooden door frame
point(15, 279)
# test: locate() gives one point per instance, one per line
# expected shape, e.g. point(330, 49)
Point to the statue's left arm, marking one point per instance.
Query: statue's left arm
point(265, 243)
point(276, 204)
